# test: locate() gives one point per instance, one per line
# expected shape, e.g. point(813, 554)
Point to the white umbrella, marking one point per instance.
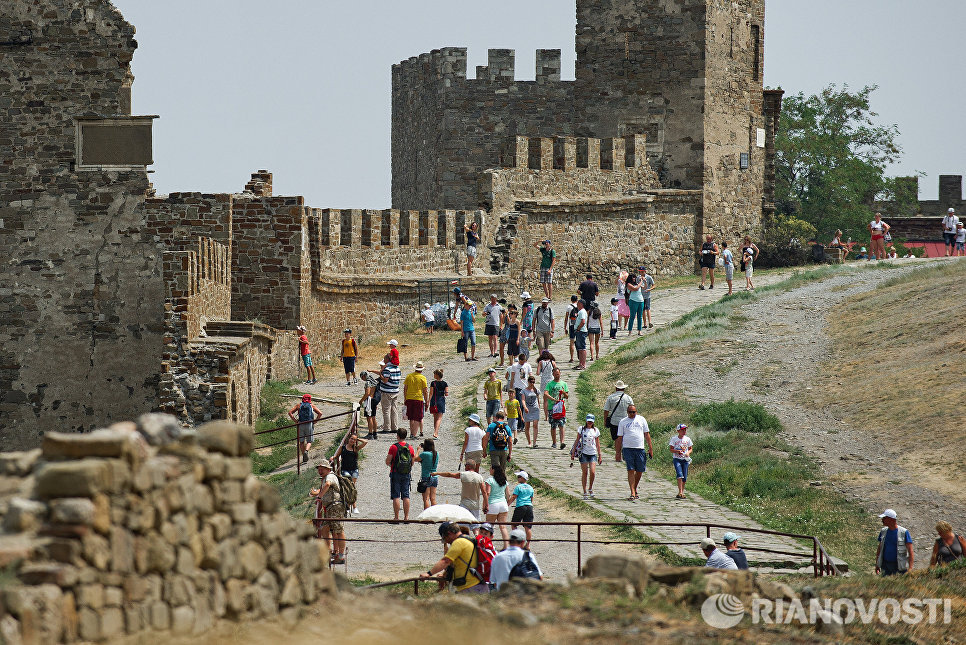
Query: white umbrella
point(447, 513)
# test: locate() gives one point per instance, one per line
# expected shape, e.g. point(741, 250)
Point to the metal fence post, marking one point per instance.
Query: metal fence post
point(578, 550)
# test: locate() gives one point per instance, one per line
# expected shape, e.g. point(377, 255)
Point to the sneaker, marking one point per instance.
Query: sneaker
point(711, 287)
point(305, 456)
point(553, 445)
point(651, 326)
point(591, 494)
point(348, 384)
point(355, 381)
point(314, 382)
point(561, 446)
point(355, 511)
point(585, 496)
point(701, 287)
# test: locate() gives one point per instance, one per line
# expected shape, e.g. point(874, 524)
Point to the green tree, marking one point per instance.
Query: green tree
point(831, 158)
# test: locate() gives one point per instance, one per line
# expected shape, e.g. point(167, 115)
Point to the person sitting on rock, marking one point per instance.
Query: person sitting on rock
point(716, 559)
point(733, 551)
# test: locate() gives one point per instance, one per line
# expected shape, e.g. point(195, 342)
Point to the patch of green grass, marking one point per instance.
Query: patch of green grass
point(274, 408)
point(735, 415)
point(294, 490)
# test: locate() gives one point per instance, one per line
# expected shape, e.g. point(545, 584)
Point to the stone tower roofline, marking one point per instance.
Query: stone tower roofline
point(451, 63)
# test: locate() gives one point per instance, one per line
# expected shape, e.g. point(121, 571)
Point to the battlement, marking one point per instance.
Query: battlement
point(391, 228)
point(450, 64)
point(575, 153)
point(197, 284)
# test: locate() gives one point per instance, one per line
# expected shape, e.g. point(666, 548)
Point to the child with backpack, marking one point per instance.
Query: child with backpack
point(400, 461)
point(500, 444)
point(305, 413)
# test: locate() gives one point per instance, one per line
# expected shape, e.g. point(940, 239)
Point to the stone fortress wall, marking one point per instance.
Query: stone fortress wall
point(145, 528)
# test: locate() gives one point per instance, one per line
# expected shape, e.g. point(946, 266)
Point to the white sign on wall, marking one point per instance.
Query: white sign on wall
point(761, 137)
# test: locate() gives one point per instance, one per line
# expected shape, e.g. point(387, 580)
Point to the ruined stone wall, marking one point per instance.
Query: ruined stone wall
point(179, 219)
point(80, 304)
point(447, 128)
point(605, 235)
point(145, 528)
point(733, 117)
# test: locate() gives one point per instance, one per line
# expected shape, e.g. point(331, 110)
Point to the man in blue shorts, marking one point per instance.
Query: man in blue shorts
point(631, 436)
point(469, 331)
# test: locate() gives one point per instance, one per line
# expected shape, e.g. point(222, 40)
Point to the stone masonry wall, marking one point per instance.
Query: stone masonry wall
point(145, 528)
point(179, 219)
point(80, 303)
point(605, 235)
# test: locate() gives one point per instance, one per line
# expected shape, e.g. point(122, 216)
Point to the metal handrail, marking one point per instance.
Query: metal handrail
point(298, 460)
point(415, 580)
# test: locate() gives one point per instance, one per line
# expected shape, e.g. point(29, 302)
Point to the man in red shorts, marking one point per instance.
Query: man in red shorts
point(416, 391)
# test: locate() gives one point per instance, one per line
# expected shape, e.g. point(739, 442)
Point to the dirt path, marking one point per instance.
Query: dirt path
point(774, 357)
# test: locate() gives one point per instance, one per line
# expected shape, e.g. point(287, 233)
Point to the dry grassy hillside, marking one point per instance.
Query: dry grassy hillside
point(899, 369)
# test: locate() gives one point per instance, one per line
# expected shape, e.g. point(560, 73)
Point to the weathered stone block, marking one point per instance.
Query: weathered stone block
point(82, 478)
point(18, 464)
point(72, 510)
point(633, 569)
point(23, 515)
point(253, 560)
point(111, 444)
point(229, 439)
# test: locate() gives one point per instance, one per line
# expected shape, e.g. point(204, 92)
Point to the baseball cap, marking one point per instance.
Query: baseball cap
point(548, 299)
point(382, 363)
point(475, 418)
point(445, 528)
point(426, 304)
point(393, 342)
point(888, 513)
point(682, 426)
point(523, 473)
point(346, 331)
point(708, 543)
point(518, 535)
point(307, 397)
point(525, 295)
point(491, 371)
point(730, 537)
point(862, 249)
point(546, 242)
point(486, 526)
point(952, 210)
point(493, 295)
point(591, 417)
point(642, 268)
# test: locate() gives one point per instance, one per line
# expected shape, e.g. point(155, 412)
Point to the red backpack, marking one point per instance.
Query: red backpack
point(485, 552)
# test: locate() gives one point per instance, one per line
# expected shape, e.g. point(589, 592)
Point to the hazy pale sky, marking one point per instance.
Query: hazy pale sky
point(302, 87)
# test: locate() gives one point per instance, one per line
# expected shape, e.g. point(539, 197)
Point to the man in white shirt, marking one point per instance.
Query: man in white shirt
point(949, 230)
point(631, 435)
point(519, 372)
point(716, 559)
point(493, 311)
point(505, 560)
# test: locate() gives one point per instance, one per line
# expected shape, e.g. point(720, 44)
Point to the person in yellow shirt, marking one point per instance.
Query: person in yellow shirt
point(462, 557)
point(416, 391)
point(350, 351)
point(513, 412)
point(492, 390)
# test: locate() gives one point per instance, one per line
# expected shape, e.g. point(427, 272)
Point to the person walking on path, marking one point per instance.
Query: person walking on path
point(517, 376)
point(392, 354)
point(514, 411)
point(522, 499)
point(348, 355)
point(716, 559)
point(548, 257)
point(526, 313)
point(681, 447)
point(429, 318)
point(749, 255)
point(472, 242)
point(428, 460)
point(504, 330)
point(507, 559)
point(878, 230)
point(895, 554)
point(512, 335)
point(472, 490)
point(949, 230)
point(635, 301)
point(588, 289)
point(594, 329)
point(531, 411)
point(469, 332)
point(462, 556)
point(400, 461)
point(499, 438)
point(492, 393)
point(632, 433)
point(580, 340)
point(416, 393)
point(728, 258)
point(438, 391)
point(735, 552)
point(615, 408)
point(544, 325)
point(587, 450)
point(960, 241)
point(949, 546)
point(615, 318)
point(570, 321)
point(546, 364)
point(498, 509)
point(306, 353)
point(371, 395)
point(493, 313)
point(647, 288)
point(708, 256)
point(305, 413)
point(473, 440)
point(330, 508)
point(389, 391)
point(623, 312)
point(348, 460)
point(554, 396)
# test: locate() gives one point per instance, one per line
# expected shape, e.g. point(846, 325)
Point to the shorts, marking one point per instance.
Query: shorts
point(350, 364)
point(522, 515)
point(961, 246)
point(949, 238)
point(431, 482)
point(414, 409)
point(351, 474)
point(430, 324)
point(470, 336)
point(399, 486)
point(546, 276)
point(647, 304)
point(306, 432)
point(497, 507)
point(336, 511)
point(369, 408)
point(474, 456)
point(749, 269)
point(729, 272)
point(572, 333)
point(580, 341)
point(307, 360)
point(491, 330)
point(439, 407)
point(707, 263)
point(587, 459)
point(613, 432)
point(498, 458)
point(635, 458)
point(681, 468)
point(471, 251)
point(514, 424)
point(556, 423)
point(492, 407)
point(472, 506)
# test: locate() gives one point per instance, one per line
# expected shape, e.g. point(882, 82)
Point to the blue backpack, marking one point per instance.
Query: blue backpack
point(306, 413)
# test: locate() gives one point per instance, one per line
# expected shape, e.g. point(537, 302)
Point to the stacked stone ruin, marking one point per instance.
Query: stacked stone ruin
point(144, 527)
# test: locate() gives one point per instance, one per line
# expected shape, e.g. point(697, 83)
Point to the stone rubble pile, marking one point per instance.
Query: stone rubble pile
point(147, 526)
